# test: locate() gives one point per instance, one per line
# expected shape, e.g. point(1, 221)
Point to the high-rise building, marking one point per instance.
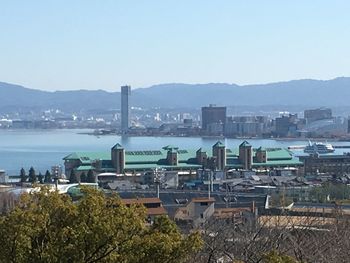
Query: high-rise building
point(317, 114)
point(125, 108)
point(286, 125)
point(213, 115)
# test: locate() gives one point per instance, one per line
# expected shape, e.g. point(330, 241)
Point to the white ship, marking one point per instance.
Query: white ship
point(318, 147)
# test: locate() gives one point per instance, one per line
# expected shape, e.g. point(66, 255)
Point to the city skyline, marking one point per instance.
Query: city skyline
point(174, 131)
point(90, 45)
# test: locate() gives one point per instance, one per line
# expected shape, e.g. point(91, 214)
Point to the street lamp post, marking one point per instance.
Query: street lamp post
point(209, 183)
point(158, 176)
point(56, 178)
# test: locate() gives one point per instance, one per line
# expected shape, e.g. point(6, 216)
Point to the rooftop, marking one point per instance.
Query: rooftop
point(245, 144)
point(117, 146)
point(170, 147)
point(230, 211)
point(155, 211)
point(219, 144)
point(203, 199)
point(260, 149)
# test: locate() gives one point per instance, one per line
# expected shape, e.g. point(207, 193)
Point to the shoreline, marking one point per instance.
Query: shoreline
point(90, 131)
point(318, 139)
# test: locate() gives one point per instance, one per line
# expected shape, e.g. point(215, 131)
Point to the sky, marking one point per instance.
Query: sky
point(94, 44)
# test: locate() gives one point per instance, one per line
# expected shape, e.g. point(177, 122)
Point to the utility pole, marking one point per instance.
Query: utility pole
point(209, 183)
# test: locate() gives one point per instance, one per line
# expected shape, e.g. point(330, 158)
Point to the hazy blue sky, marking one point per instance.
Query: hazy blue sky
point(100, 44)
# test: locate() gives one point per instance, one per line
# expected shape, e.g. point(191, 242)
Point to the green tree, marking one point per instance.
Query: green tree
point(48, 227)
point(73, 177)
point(48, 178)
point(40, 178)
point(32, 175)
point(91, 177)
point(83, 177)
point(23, 175)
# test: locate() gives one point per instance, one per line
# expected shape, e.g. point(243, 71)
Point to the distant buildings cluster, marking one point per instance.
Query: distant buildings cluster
point(210, 120)
point(316, 123)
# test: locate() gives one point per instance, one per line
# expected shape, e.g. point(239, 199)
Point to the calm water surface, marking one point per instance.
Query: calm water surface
point(44, 148)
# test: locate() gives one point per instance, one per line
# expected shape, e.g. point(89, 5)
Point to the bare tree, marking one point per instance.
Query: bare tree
point(7, 201)
point(307, 237)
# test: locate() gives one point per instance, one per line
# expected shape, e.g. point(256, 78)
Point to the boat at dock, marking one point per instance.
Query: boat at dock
point(318, 147)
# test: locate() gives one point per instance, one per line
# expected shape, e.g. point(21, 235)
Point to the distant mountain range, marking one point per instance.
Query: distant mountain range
point(306, 92)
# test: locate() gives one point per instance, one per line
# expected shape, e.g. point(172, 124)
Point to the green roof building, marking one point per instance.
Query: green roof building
point(119, 160)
